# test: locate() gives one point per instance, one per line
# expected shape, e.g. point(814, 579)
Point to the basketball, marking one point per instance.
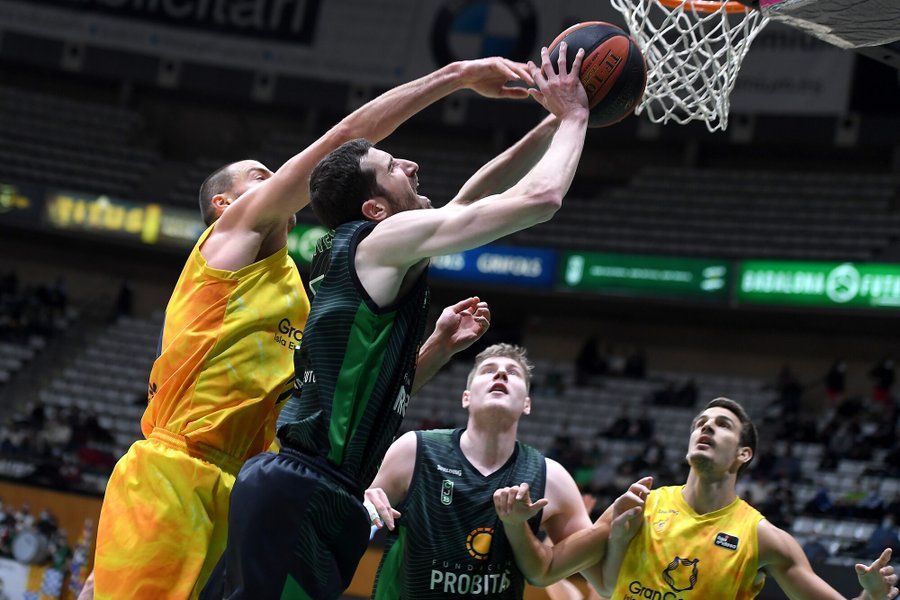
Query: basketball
point(613, 71)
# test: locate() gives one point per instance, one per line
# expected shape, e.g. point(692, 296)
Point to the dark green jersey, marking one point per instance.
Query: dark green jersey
point(355, 365)
point(449, 541)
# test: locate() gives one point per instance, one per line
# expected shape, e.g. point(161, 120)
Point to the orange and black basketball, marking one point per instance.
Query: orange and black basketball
point(613, 71)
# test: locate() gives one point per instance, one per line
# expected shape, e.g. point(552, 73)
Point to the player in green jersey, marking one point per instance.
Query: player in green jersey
point(434, 492)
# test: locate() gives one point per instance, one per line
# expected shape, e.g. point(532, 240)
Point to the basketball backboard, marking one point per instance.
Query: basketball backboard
point(871, 28)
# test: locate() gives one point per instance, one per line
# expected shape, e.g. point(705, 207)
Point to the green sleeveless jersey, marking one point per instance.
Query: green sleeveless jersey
point(355, 365)
point(449, 541)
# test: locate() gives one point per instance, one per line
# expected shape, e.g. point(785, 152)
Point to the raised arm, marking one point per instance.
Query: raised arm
point(624, 520)
point(392, 481)
point(287, 191)
point(407, 237)
point(458, 327)
point(782, 557)
point(507, 168)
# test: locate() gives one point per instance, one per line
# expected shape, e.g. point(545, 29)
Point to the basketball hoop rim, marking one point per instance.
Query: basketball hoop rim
point(706, 6)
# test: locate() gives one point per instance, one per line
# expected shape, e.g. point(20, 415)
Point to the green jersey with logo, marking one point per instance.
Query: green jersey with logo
point(355, 365)
point(449, 541)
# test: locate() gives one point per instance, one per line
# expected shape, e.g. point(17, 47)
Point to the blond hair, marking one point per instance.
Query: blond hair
point(511, 351)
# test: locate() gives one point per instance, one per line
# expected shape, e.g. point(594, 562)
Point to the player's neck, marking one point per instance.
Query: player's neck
point(487, 448)
point(708, 493)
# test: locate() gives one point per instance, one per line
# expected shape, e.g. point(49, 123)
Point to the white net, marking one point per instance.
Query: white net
point(693, 51)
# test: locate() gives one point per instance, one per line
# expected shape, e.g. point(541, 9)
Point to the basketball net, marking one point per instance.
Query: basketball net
point(694, 50)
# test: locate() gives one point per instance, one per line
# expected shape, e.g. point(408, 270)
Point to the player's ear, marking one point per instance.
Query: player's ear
point(745, 454)
point(220, 202)
point(465, 399)
point(526, 410)
point(375, 209)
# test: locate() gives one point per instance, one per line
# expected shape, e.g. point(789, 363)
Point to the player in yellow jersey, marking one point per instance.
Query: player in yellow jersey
point(226, 354)
point(698, 541)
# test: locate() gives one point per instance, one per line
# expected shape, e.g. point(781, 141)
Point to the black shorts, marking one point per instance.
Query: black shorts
point(293, 532)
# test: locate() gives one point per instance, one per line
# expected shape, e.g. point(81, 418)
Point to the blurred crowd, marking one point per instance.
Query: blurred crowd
point(60, 446)
point(26, 311)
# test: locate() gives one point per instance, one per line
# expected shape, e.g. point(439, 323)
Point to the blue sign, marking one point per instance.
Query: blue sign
point(529, 267)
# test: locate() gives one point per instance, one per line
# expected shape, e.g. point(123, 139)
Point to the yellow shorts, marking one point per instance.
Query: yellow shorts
point(163, 525)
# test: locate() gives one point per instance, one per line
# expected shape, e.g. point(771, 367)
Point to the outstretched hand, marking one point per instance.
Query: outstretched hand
point(461, 324)
point(514, 505)
point(878, 579)
point(627, 510)
point(491, 77)
point(560, 93)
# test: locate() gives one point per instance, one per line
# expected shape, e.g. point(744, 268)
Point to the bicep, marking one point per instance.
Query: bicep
point(569, 514)
point(287, 191)
point(410, 236)
point(396, 471)
point(783, 558)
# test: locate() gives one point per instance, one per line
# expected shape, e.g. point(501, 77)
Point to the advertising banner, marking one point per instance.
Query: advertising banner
point(150, 224)
point(822, 284)
point(645, 275)
point(503, 265)
point(302, 242)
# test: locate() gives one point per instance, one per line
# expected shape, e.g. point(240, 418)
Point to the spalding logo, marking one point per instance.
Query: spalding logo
point(681, 574)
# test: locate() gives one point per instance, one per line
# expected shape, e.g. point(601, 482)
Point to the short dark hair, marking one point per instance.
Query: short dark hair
point(218, 182)
point(339, 184)
point(748, 429)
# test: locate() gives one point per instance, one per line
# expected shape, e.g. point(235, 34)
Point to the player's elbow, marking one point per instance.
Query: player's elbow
point(547, 204)
point(345, 131)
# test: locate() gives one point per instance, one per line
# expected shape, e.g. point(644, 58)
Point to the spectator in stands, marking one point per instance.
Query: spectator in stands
point(787, 465)
point(892, 461)
point(883, 376)
point(815, 550)
point(687, 394)
point(590, 362)
point(789, 388)
point(836, 381)
point(619, 428)
point(125, 300)
point(636, 364)
point(665, 396)
point(884, 536)
point(821, 503)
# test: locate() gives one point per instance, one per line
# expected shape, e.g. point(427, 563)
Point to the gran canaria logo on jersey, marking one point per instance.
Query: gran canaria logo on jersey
point(478, 542)
point(681, 574)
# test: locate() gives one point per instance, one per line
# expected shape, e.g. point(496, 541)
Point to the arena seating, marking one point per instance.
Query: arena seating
point(76, 145)
point(731, 214)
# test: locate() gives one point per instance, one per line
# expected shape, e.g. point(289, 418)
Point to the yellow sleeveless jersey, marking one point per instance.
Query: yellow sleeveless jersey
point(680, 555)
point(226, 357)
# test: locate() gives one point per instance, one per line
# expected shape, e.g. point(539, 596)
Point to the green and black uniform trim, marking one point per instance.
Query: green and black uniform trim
point(355, 366)
point(449, 542)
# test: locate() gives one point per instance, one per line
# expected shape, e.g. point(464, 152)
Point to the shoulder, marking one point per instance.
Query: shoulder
point(403, 448)
point(775, 544)
point(560, 487)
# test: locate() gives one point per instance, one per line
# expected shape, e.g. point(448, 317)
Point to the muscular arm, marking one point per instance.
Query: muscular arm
point(543, 565)
point(782, 557)
point(408, 237)
point(391, 483)
point(266, 208)
point(605, 573)
point(571, 516)
point(505, 169)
